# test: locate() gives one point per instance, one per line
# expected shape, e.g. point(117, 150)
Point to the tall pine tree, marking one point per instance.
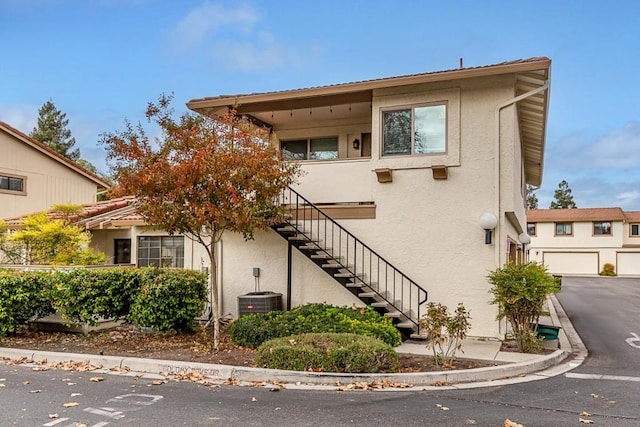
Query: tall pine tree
point(52, 131)
point(562, 197)
point(532, 199)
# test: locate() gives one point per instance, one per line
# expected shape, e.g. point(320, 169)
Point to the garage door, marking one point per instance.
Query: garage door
point(571, 262)
point(629, 263)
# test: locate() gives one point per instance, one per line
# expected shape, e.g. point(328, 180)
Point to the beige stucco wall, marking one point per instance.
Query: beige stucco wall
point(47, 182)
point(428, 228)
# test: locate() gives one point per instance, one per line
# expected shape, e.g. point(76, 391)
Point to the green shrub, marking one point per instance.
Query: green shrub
point(254, 329)
point(328, 352)
point(608, 270)
point(520, 291)
point(24, 295)
point(88, 295)
point(169, 299)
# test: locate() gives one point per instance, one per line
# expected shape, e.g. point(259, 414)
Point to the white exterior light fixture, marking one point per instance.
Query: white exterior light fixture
point(488, 222)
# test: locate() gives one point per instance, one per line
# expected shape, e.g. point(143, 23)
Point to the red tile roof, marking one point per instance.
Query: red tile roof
point(575, 215)
point(94, 215)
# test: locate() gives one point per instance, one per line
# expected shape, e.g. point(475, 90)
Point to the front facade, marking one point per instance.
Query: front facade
point(33, 177)
point(407, 165)
point(582, 241)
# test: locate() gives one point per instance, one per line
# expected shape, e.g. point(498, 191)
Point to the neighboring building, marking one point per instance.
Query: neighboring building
point(581, 241)
point(33, 177)
point(408, 165)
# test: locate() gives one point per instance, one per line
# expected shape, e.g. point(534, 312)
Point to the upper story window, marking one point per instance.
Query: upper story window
point(602, 228)
point(161, 251)
point(564, 229)
point(415, 130)
point(310, 149)
point(635, 229)
point(531, 228)
point(12, 184)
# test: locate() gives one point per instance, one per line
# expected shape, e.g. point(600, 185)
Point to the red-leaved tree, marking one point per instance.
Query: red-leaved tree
point(200, 177)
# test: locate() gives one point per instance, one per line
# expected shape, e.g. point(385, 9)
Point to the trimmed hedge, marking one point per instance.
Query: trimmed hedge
point(254, 329)
point(163, 299)
point(328, 352)
point(23, 296)
point(169, 301)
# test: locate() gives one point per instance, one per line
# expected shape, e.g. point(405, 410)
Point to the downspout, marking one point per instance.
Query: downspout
point(499, 107)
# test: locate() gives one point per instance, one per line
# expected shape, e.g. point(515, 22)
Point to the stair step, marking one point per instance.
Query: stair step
point(345, 275)
point(323, 255)
point(368, 295)
point(419, 337)
point(287, 229)
point(394, 314)
point(406, 325)
point(379, 304)
point(301, 238)
point(356, 285)
point(311, 247)
point(333, 265)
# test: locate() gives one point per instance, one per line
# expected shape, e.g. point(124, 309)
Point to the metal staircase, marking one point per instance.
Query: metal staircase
point(352, 263)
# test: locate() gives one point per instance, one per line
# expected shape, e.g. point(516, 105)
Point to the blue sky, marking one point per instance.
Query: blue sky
point(101, 61)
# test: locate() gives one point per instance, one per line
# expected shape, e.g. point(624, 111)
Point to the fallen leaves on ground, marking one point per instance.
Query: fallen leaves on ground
point(375, 385)
point(70, 404)
point(509, 423)
point(583, 421)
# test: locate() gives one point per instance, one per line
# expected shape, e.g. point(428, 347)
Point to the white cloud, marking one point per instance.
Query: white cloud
point(619, 149)
point(21, 117)
point(263, 53)
point(203, 22)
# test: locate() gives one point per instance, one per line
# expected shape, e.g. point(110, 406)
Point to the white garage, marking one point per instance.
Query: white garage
point(628, 263)
point(571, 262)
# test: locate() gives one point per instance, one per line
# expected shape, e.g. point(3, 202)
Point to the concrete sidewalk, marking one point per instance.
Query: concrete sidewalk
point(509, 367)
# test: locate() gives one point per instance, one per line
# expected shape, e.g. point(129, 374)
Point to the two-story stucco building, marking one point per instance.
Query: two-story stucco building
point(581, 241)
point(33, 177)
point(402, 170)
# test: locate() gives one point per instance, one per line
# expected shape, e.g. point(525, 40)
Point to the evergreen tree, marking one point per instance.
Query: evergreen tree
point(563, 199)
point(52, 131)
point(532, 199)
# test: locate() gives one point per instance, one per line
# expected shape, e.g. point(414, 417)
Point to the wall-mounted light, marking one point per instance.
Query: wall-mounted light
point(356, 144)
point(525, 239)
point(488, 222)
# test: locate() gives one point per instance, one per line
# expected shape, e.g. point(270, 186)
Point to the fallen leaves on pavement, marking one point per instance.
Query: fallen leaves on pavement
point(375, 385)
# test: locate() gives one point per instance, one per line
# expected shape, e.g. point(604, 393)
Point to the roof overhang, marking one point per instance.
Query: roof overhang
point(530, 74)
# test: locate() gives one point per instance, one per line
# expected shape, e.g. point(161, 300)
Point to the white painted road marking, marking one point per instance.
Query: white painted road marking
point(631, 341)
point(602, 377)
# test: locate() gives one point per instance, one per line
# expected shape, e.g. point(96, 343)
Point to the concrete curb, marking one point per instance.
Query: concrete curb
point(245, 374)
point(541, 367)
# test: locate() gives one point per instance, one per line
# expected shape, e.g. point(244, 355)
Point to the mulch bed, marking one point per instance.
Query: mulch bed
point(124, 341)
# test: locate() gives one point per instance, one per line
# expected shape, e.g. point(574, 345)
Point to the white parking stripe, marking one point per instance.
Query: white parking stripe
point(601, 377)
